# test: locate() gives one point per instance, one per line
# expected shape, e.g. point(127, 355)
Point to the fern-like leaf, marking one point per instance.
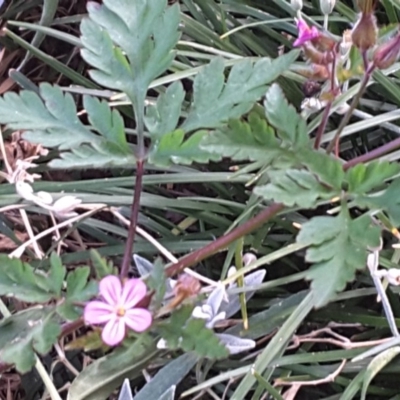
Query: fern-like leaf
point(338, 247)
point(294, 187)
point(215, 102)
point(191, 335)
point(173, 148)
point(129, 43)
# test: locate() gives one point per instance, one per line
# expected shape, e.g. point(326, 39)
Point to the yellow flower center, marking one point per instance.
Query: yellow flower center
point(120, 311)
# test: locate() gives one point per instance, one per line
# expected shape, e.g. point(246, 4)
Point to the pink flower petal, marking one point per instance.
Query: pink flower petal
point(110, 289)
point(133, 291)
point(305, 33)
point(113, 332)
point(138, 319)
point(97, 312)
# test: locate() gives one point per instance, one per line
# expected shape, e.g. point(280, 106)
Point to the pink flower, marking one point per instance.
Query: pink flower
point(305, 33)
point(117, 309)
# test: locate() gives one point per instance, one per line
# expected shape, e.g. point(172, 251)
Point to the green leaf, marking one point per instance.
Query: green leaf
point(362, 178)
point(376, 365)
point(24, 333)
point(291, 127)
point(103, 155)
point(172, 148)
point(51, 122)
point(329, 170)
point(146, 31)
point(20, 280)
point(157, 282)
point(338, 247)
point(56, 274)
point(109, 123)
point(294, 187)
point(100, 264)
point(253, 140)
point(215, 102)
point(103, 376)
point(388, 201)
point(190, 334)
point(163, 117)
point(79, 290)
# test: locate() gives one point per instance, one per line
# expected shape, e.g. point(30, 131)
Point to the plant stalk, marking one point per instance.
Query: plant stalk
point(224, 241)
point(126, 261)
point(349, 112)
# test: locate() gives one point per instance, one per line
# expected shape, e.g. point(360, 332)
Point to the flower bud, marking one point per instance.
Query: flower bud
point(387, 53)
point(297, 5)
point(316, 56)
point(365, 32)
point(249, 258)
point(326, 6)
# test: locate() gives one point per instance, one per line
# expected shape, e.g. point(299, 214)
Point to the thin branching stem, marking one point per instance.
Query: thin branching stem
point(353, 105)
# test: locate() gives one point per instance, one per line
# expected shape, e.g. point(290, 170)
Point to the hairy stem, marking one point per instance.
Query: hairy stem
point(126, 261)
point(349, 112)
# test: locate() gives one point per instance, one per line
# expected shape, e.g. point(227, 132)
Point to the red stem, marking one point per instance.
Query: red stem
point(223, 241)
point(126, 261)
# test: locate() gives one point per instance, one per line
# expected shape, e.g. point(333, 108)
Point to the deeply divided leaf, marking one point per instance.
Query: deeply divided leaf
point(339, 247)
point(20, 280)
point(362, 178)
point(190, 334)
point(174, 148)
point(290, 125)
point(388, 201)
point(239, 140)
point(215, 101)
point(23, 333)
point(294, 187)
point(129, 43)
point(163, 117)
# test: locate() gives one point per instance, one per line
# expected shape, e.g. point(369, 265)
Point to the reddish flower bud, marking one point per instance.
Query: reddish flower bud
point(365, 32)
point(317, 57)
point(387, 53)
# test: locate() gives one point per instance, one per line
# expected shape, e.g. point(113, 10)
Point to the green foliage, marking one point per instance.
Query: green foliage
point(172, 148)
point(163, 117)
point(291, 126)
point(25, 332)
point(181, 331)
point(363, 178)
point(100, 378)
point(388, 201)
point(108, 123)
point(129, 43)
point(329, 170)
point(79, 290)
point(20, 280)
point(338, 247)
point(376, 365)
point(157, 282)
point(252, 140)
point(215, 101)
point(294, 187)
point(50, 119)
point(101, 266)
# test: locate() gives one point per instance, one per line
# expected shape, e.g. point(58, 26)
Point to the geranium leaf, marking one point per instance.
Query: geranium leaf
point(215, 102)
point(338, 246)
point(24, 332)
